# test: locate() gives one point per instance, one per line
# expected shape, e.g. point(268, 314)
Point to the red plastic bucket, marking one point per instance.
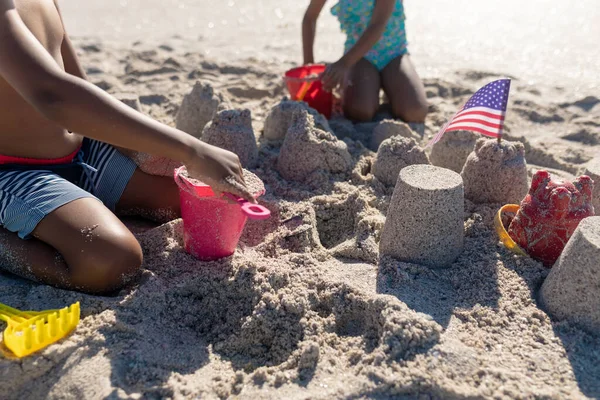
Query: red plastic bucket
point(309, 90)
point(211, 226)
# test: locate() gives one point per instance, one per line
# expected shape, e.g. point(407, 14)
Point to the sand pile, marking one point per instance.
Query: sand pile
point(389, 128)
point(393, 155)
point(306, 307)
point(307, 149)
point(199, 107)
point(232, 130)
point(453, 149)
point(496, 173)
point(281, 115)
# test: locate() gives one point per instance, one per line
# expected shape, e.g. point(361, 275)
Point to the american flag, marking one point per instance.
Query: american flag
point(483, 113)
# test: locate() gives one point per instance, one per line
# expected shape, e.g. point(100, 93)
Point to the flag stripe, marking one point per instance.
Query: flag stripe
point(488, 112)
point(494, 124)
point(494, 134)
point(471, 125)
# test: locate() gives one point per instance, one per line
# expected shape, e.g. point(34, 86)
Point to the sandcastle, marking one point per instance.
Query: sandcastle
point(453, 149)
point(307, 149)
point(232, 130)
point(199, 107)
point(496, 172)
point(394, 154)
point(280, 118)
point(592, 169)
point(572, 289)
point(424, 223)
point(389, 128)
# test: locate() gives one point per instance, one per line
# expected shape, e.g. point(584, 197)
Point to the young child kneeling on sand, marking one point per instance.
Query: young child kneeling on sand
point(59, 189)
point(375, 57)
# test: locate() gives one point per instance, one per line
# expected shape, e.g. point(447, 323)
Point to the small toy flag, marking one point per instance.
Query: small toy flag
point(483, 113)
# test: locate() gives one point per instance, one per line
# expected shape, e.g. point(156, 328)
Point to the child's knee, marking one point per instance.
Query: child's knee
point(113, 266)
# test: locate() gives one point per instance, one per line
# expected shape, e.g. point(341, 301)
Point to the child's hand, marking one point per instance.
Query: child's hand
point(221, 169)
point(334, 75)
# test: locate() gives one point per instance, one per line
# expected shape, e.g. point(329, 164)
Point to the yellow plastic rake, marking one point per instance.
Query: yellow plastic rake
point(30, 331)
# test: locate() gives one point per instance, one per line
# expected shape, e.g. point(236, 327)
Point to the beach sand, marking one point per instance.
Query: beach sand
point(306, 308)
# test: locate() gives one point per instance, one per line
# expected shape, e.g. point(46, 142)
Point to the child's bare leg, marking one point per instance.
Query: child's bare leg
point(79, 246)
point(361, 91)
point(405, 90)
point(150, 196)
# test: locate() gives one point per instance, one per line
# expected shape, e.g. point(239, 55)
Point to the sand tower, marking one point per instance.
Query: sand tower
point(307, 149)
point(496, 172)
point(280, 118)
point(572, 289)
point(199, 107)
point(592, 169)
point(453, 149)
point(394, 154)
point(424, 223)
point(232, 130)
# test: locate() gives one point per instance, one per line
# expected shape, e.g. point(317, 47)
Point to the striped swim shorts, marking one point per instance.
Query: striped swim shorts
point(28, 193)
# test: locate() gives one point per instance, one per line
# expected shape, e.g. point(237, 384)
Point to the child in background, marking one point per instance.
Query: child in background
point(59, 189)
point(375, 57)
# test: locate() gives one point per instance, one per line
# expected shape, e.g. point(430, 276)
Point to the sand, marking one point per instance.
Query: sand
point(306, 308)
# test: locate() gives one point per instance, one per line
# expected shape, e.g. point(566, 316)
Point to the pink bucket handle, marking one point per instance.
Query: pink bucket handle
point(252, 211)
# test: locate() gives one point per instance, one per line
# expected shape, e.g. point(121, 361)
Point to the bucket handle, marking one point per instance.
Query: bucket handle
point(252, 211)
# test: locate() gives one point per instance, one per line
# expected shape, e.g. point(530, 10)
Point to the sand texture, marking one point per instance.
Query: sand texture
point(424, 224)
point(453, 149)
point(307, 308)
point(394, 154)
point(232, 130)
point(496, 173)
point(571, 290)
point(281, 115)
point(308, 149)
point(198, 108)
point(389, 128)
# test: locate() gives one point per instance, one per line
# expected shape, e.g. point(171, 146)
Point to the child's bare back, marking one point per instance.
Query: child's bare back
point(20, 123)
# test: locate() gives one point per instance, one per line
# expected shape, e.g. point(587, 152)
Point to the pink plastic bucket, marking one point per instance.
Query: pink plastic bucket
point(211, 226)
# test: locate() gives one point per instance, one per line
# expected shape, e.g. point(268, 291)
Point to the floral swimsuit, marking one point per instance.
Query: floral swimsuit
point(355, 16)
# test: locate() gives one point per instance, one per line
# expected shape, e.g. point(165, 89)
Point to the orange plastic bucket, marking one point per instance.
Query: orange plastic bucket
point(303, 87)
point(212, 226)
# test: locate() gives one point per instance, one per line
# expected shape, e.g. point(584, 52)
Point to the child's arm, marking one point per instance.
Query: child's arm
point(309, 29)
point(69, 55)
point(79, 106)
point(334, 74)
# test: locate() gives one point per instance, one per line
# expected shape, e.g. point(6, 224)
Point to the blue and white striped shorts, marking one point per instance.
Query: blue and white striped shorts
point(29, 193)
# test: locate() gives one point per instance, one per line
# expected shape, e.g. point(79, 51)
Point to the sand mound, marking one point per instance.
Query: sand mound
point(389, 128)
point(496, 173)
point(393, 155)
point(307, 149)
point(281, 115)
point(232, 130)
point(453, 149)
point(199, 107)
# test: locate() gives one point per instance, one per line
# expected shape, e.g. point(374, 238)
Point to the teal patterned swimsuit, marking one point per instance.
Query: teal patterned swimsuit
point(354, 17)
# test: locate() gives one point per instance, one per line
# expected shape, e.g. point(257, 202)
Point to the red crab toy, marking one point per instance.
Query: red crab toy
point(549, 214)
